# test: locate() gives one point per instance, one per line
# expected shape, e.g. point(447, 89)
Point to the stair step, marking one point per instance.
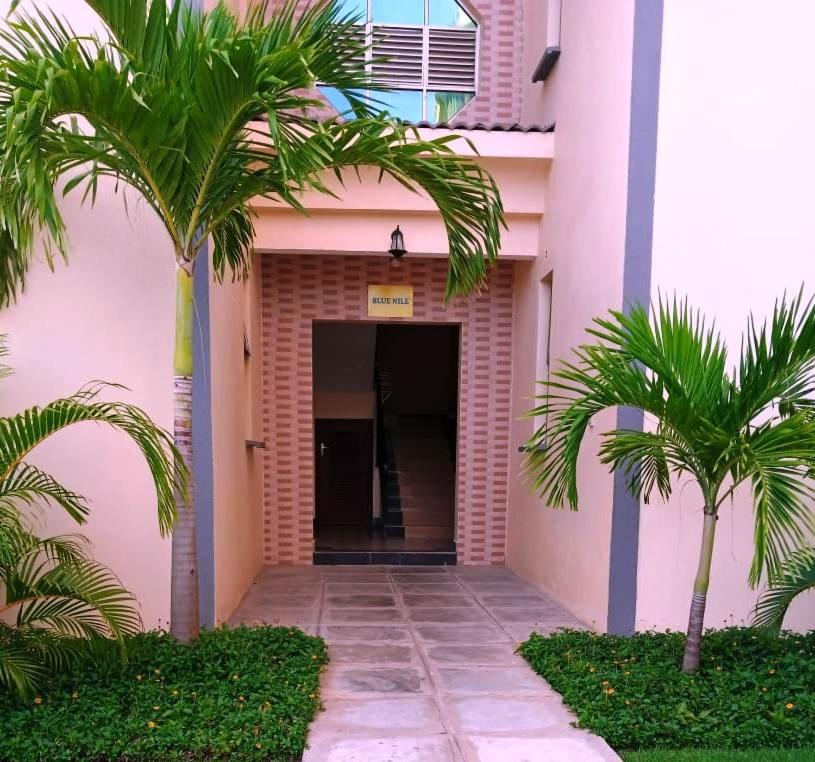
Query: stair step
point(429, 532)
point(439, 504)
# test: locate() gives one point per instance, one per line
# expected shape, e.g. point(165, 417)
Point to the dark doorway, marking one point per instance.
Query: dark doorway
point(385, 406)
point(344, 472)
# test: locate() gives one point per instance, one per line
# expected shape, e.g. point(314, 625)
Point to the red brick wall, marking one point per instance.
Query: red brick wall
point(298, 289)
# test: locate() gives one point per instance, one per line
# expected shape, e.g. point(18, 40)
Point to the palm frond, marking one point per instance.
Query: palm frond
point(795, 577)
point(21, 666)
point(777, 364)
point(4, 369)
point(777, 460)
point(28, 484)
point(668, 364)
point(19, 434)
point(169, 97)
point(56, 603)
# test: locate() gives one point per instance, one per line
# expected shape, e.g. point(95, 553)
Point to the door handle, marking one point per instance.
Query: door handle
point(323, 448)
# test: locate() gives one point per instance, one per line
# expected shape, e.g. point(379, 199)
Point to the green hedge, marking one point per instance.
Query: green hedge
point(713, 755)
point(752, 692)
point(236, 694)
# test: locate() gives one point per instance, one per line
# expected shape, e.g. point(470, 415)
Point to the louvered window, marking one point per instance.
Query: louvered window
point(425, 51)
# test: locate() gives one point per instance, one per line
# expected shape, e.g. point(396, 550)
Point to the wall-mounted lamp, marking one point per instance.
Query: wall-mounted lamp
point(397, 249)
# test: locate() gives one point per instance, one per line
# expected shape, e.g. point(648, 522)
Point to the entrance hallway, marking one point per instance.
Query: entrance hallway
point(422, 666)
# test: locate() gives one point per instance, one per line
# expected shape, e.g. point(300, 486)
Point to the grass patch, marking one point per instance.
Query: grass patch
point(752, 692)
point(706, 755)
point(242, 693)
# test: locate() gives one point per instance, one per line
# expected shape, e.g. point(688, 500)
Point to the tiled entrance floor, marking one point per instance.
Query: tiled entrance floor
point(422, 666)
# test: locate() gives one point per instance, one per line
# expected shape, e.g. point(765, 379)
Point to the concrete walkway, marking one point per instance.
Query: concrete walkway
point(422, 666)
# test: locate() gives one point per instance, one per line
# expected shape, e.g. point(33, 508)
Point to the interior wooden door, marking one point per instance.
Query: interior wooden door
point(344, 472)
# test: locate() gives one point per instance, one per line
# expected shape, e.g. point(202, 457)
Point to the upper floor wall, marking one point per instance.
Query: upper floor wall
point(499, 26)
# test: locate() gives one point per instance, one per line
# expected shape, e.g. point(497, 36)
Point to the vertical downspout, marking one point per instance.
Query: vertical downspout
point(639, 235)
point(202, 460)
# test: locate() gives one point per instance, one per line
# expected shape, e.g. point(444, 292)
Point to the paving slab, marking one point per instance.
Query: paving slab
point(335, 633)
point(398, 749)
point(471, 655)
point(447, 615)
point(423, 664)
point(460, 598)
point(371, 653)
point(351, 588)
point(581, 748)
point(475, 679)
point(382, 715)
point(462, 633)
point(436, 588)
point(357, 615)
point(508, 714)
point(361, 599)
point(356, 680)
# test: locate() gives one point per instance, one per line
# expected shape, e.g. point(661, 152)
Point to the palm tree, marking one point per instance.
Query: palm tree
point(199, 113)
point(796, 576)
point(721, 427)
point(60, 603)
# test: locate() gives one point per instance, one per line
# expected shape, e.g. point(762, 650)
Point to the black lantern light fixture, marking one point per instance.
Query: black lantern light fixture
point(397, 249)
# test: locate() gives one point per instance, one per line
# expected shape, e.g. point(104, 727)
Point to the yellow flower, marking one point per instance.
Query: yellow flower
point(234, 677)
point(605, 682)
point(257, 745)
point(38, 700)
point(175, 693)
point(157, 671)
point(608, 691)
point(151, 724)
point(313, 656)
point(156, 708)
point(626, 673)
point(790, 705)
point(591, 669)
point(74, 695)
point(770, 671)
point(241, 698)
point(763, 690)
point(312, 695)
point(627, 702)
point(718, 669)
point(138, 677)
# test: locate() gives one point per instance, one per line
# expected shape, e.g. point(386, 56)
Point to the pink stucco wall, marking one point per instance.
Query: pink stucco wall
point(237, 469)
point(582, 244)
point(106, 315)
point(733, 230)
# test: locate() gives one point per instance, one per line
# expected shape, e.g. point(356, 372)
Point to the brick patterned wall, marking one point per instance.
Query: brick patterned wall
point(501, 40)
point(298, 289)
point(500, 62)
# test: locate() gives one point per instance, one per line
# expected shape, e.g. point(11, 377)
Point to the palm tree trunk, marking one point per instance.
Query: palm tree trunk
point(696, 621)
point(184, 614)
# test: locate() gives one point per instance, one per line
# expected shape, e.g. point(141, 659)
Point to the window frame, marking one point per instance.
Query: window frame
point(424, 89)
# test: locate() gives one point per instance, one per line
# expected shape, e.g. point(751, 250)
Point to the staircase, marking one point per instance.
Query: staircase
point(424, 479)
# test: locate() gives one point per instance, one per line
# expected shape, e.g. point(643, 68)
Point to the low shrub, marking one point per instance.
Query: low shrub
point(716, 755)
point(242, 693)
point(753, 691)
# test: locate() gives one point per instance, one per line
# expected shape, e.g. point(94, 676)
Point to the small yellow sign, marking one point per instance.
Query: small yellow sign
point(390, 301)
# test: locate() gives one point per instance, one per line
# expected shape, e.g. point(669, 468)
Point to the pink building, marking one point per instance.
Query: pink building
point(333, 425)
